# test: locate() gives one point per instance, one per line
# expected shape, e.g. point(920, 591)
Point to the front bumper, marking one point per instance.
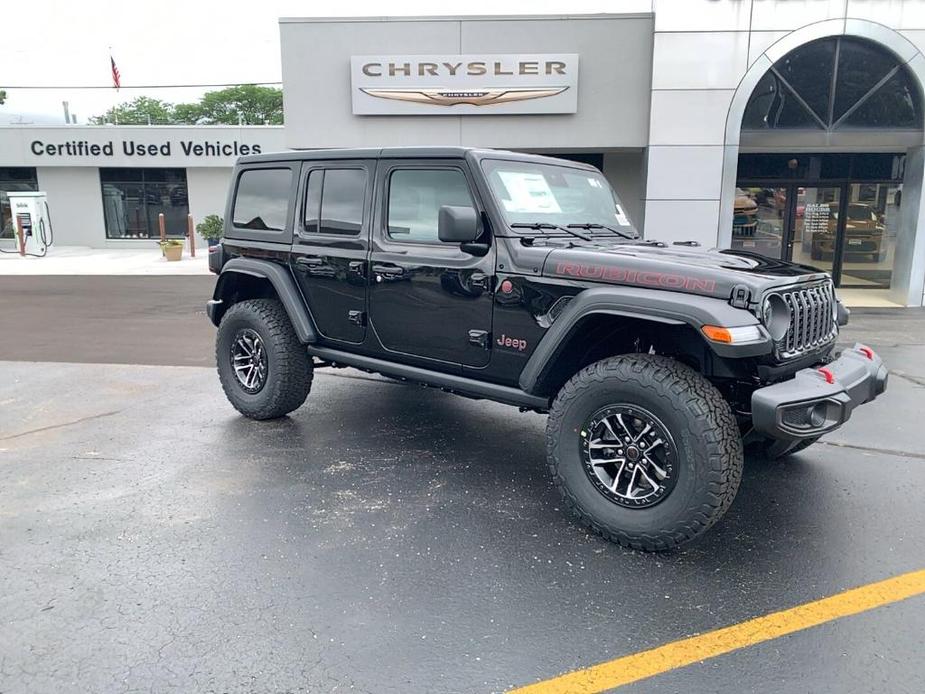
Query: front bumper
point(817, 400)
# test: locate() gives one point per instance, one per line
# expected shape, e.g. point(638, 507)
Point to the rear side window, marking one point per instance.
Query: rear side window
point(334, 201)
point(262, 199)
point(415, 199)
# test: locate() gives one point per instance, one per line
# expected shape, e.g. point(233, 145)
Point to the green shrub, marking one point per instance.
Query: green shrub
point(211, 227)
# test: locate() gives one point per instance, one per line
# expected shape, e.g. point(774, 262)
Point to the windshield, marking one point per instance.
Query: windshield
point(529, 193)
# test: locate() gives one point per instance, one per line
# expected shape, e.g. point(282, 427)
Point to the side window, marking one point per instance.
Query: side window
point(415, 199)
point(262, 199)
point(342, 197)
point(311, 213)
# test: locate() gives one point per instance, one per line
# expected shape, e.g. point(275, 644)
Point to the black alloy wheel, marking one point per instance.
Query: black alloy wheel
point(629, 455)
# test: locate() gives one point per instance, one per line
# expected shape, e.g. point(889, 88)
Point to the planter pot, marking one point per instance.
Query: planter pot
point(213, 242)
point(173, 253)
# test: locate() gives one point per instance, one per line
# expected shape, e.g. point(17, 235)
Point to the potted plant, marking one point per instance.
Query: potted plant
point(211, 229)
point(172, 249)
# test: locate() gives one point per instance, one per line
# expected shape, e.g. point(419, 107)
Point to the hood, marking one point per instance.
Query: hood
point(693, 271)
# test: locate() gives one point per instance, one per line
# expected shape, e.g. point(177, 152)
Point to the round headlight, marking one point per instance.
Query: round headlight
point(775, 314)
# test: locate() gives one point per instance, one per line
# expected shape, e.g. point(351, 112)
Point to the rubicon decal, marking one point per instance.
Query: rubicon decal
point(645, 278)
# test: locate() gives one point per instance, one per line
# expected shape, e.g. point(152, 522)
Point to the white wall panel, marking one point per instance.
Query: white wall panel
point(899, 14)
point(699, 60)
point(760, 42)
point(208, 190)
point(684, 173)
point(682, 220)
point(771, 15)
point(702, 15)
point(689, 117)
point(75, 200)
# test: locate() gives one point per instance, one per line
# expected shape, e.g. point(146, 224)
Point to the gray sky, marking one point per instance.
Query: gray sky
point(181, 42)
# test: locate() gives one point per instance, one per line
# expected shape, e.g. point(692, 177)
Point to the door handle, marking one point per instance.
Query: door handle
point(389, 270)
point(309, 261)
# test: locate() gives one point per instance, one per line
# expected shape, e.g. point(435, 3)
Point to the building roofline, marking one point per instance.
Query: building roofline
point(49, 126)
point(467, 18)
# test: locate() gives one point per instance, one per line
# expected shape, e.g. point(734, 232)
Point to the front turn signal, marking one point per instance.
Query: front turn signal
point(732, 336)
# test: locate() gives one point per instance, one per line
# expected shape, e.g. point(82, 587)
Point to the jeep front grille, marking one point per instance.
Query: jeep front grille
point(812, 318)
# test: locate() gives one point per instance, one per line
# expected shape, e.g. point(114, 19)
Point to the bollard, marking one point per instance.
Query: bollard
point(191, 232)
point(162, 224)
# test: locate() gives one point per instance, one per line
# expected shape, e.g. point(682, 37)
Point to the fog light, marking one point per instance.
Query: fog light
point(818, 414)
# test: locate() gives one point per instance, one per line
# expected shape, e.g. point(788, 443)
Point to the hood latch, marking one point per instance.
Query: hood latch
point(740, 296)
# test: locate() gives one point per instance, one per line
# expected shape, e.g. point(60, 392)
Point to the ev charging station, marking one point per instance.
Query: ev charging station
point(31, 223)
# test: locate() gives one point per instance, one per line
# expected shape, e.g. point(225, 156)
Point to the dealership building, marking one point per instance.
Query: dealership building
point(789, 128)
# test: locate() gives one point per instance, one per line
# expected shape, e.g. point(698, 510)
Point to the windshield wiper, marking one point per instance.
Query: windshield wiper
point(547, 225)
point(594, 225)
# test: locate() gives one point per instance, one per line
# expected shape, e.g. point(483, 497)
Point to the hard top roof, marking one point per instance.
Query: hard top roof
point(449, 152)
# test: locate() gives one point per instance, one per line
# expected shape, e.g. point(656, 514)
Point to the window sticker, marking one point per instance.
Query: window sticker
point(622, 219)
point(529, 192)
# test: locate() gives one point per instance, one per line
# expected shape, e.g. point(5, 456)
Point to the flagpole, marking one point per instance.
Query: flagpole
point(115, 98)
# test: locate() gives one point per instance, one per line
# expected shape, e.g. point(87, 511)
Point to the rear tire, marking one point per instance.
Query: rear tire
point(277, 379)
point(702, 457)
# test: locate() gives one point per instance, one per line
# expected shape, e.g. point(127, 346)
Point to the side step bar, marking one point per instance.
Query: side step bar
point(450, 382)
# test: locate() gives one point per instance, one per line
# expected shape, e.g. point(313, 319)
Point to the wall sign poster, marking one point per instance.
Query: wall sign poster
point(816, 218)
point(529, 192)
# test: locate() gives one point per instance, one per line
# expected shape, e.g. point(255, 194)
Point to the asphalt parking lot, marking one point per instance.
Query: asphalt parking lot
point(388, 538)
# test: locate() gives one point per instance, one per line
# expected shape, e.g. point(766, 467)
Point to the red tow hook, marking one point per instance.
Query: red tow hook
point(867, 352)
point(827, 373)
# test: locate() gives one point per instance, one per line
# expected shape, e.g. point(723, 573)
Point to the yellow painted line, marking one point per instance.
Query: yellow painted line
point(639, 666)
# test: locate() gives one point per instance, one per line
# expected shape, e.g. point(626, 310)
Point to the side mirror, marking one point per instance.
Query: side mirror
point(457, 224)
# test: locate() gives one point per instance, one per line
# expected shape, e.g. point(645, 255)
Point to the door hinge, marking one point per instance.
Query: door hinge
point(479, 280)
point(357, 317)
point(357, 267)
point(479, 338)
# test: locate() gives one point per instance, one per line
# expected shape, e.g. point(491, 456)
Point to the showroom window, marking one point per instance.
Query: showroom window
point(836, 83)
point(133, 199)
point(12, 180)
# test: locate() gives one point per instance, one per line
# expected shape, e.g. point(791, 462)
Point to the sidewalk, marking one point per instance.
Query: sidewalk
point(82, 260)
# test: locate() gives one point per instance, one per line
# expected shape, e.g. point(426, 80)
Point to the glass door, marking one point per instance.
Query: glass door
point(869, 235)
point(814, 236)
point(760, 217)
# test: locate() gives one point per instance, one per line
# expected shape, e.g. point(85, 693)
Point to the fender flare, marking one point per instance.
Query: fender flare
point(284, 285)
point(658, 306)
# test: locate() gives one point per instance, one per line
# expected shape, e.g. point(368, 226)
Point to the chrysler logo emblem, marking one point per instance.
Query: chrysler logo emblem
point(472, 97)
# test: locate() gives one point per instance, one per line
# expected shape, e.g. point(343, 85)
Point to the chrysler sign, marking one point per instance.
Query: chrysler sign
point(464, 84)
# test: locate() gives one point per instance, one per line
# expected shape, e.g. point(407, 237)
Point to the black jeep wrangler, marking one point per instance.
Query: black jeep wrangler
point(519, 279)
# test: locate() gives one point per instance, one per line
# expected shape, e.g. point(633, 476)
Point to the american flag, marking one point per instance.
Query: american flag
point(115, 74)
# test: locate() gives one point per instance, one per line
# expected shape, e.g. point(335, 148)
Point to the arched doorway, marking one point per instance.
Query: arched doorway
point(821, 159)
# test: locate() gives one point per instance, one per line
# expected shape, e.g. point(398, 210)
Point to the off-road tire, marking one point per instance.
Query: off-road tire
point(705, 433)
point(289, 372)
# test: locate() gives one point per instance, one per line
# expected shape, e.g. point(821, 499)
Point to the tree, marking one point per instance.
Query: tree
point(2, 96)
point(140, 111)
point(248, 104)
